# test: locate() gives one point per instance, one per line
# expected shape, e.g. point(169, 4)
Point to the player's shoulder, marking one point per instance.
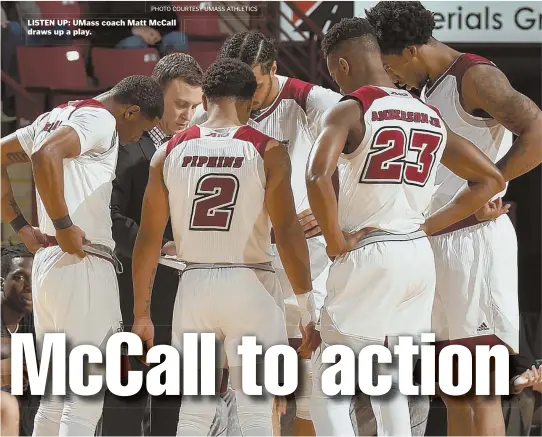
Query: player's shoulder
point(368, 94)
point(258, 139)
point(188, 134)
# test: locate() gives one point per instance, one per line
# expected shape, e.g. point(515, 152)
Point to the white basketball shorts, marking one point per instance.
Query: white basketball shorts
point(79, 297)
point(320, 264)
point(477, 284)
point(232, 303)
point(384, 288)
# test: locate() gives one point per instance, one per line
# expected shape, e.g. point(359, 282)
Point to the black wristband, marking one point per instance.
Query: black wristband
point(18, 223)
point(62, 223)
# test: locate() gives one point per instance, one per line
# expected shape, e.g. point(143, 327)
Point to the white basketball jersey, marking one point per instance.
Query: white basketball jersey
point(487, 134)
point(388, 181)
point(294, 117)
point(216, 183)
point(88, 177)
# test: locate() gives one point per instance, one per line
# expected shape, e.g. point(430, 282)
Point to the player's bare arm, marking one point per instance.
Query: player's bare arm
point(485, 180)
point(486, 88)
point(48, 169)
point(279, 201)
point(13, 153)
point(341, 124)
point(154, 217)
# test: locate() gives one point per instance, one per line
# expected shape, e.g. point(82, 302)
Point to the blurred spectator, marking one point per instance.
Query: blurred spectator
point(165, 38)
point(16, 317)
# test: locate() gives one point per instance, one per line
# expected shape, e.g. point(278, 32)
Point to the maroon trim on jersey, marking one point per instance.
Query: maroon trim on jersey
point(366, 95)
point(186, 135)
point(89, 102)
point(458, 68)
point(293, 89)
point(253, 136)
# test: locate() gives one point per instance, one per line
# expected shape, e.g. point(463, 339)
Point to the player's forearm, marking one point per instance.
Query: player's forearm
point(294, 254)
point(470, 200)
point(525, 154)
point(144, 263)
point(323, 203)
point(10, 209)
point(49, 178)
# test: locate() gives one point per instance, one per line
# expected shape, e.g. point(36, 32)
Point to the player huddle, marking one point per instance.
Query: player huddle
point(414, 239)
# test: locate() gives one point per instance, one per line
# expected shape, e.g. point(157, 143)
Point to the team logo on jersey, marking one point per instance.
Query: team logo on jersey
point(218, 134)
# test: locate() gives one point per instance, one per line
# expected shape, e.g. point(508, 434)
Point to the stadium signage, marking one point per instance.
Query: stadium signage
point(456, 21)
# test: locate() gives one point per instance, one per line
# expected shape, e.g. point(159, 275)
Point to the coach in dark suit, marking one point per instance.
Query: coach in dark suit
point(180, 77)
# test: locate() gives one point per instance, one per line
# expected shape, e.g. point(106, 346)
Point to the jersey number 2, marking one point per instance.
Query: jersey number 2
point(386, 160)
point(213, 209)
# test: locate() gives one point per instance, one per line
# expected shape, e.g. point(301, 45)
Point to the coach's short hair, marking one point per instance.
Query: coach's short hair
point(142, 91)
point(252, 47)
point(349, 29)
point(229, 78)
point(177, 66)
point(399, 25)
point(11, 252)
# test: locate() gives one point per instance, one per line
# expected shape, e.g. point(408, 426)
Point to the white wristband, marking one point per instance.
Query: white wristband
point(307, 305)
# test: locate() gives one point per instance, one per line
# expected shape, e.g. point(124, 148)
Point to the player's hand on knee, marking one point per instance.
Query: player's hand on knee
point(308, 223)
point(71, 240)
point(32, 238)
point(492, 210)
point(144, 329)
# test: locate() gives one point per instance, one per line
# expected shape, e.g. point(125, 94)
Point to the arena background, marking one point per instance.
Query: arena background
point(48, 70)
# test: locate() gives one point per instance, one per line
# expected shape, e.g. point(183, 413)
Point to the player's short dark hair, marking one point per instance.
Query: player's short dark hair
point(252, 47)
point(142, 91)
point(177, 66)
point(229, 78)
point(399, 25)
point(349, 29)
point(11, 252)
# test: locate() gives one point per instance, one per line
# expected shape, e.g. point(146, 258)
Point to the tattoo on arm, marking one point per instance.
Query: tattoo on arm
point(17, 157)
point(499, 99)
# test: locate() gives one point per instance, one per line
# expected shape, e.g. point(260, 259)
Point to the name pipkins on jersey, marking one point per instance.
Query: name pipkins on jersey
point(196, 367)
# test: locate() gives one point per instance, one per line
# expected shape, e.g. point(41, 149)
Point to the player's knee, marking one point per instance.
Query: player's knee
point(304, 390)
point(480, 403)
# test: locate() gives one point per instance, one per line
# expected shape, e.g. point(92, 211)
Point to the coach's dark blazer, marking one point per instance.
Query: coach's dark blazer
point(129, 186)
point(123, 416)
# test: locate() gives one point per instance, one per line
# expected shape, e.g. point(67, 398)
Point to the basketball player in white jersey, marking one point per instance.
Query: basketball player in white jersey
point(388, 145)
point(73, 151)
point(476, 259)
point(288, 109)
point(224, 184)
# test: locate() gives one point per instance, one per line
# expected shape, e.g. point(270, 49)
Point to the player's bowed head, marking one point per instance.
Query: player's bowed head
point(137, 103)
point(259, 52)
point(352, 54)
point(228, 88)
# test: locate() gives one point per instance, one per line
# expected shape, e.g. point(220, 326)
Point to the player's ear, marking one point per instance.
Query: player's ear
point(131, 112)
point(410, 52)
point(344, 66)
point(204, 103)
point(273, 69)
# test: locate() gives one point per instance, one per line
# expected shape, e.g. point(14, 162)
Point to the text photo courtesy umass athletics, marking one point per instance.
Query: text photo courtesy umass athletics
point(196, 367)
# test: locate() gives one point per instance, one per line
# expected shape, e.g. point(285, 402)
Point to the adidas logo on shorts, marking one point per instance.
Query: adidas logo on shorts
point(483, 327)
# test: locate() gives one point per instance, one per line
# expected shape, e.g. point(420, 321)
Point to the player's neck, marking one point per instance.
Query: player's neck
point(10, 317)
point(438, 57)
point(273, 94)
point(375, 76)
point(224, 115)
